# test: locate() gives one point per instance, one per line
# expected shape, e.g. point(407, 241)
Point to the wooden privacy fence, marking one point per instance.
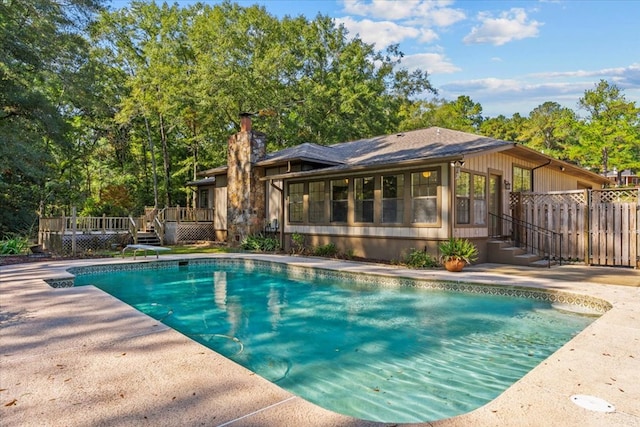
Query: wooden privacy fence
point(599, 227)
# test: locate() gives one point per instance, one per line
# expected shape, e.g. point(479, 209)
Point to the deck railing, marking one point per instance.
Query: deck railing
point(181, 214)
point(85, 224)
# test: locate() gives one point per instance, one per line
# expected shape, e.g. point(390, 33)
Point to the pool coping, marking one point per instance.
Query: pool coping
point(84, 357)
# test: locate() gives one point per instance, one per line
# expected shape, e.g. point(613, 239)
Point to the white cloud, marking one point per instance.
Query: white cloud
point(433, 63)
point(381, 8)
point(509, 26)
point(424, 12)
point(382, 33)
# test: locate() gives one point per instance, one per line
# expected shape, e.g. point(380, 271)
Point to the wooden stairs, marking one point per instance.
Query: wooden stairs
point(148, 238)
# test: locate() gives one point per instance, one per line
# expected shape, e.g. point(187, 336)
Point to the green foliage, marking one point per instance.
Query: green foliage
point(328, 250)
point(259, 242)
point(14, 245)
point(457, 248)
point(419, 259)
point(297, 243)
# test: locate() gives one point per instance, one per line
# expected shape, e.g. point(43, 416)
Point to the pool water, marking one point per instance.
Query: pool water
point(390, 354)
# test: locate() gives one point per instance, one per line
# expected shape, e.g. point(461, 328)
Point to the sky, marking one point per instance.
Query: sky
point(509, 56)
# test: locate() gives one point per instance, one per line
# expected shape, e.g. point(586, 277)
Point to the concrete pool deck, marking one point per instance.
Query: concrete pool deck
point(79, 357)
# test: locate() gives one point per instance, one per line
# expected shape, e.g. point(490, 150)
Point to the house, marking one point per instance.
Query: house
point(378, 197)
point(625, 178)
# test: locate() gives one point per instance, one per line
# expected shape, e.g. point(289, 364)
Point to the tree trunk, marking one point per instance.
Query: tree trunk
point(153, 164)
point(167, 163)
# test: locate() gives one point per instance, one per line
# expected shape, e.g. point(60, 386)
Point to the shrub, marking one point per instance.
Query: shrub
point(297, 243)
point(14, 245)
point(258, 242)
point(420, 259)
point(328, 250)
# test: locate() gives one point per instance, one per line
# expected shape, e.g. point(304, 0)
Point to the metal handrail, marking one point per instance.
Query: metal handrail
point(533, 238)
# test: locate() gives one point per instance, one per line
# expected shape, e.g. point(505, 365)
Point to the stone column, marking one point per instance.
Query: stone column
point(245, 192)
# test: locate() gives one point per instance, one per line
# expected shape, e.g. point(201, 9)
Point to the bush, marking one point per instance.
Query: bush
point(258, 242)
point(328, 250)
point(297, 243)
point(420, 259)
point(14, 245)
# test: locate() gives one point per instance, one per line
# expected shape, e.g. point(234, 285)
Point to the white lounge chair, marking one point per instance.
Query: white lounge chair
point(145, 248)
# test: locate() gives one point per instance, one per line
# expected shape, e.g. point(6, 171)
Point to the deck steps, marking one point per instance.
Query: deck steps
point(148, 238)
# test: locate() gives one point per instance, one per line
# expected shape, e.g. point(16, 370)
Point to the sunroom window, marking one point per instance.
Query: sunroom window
point(316, 201)
point(296, 199)
point(363, 195)
point(393, 199)
point(339, 200)
point(424, 196)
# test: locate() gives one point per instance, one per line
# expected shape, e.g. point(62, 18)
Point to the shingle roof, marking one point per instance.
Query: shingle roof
point(307, 151)
point(431, 143)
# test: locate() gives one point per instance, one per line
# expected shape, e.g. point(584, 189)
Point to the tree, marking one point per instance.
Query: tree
point(501, 127)
point(43, 60)
point(610, 133)
point(550, 129)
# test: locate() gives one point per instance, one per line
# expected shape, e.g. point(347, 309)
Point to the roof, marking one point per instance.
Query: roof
point(308, 151)
point(204, 181)
point(418, 146)
point(431, 143)
point(220, 170)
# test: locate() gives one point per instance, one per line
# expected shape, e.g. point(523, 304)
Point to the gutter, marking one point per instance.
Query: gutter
point(533, 181)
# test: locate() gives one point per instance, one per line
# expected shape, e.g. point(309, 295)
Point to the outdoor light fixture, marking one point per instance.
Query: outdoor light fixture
point(457, 163)
point(507, 185)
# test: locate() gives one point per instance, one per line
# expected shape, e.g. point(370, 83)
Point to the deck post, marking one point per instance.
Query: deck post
point(74, 229)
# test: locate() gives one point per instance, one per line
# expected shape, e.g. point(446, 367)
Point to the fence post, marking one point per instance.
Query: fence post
point(587, 227)
point(74, 229)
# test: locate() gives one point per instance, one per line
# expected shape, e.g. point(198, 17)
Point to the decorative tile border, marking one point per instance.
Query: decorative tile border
point(586, 303)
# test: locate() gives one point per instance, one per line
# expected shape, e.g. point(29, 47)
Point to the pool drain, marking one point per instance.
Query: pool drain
point(592, 403)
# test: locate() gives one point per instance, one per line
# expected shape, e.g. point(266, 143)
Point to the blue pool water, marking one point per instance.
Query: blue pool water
point(391, 354)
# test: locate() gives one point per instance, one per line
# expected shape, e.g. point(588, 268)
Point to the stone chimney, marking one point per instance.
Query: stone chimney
point(245, 122)
point(246, 200)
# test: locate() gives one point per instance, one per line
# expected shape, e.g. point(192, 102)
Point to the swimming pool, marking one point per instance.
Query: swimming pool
point(377, 348)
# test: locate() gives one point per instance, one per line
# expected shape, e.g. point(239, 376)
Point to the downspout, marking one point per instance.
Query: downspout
point(281, 219)
point(532, 177)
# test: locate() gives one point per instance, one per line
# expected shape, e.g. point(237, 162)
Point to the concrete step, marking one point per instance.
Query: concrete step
point(503, 252)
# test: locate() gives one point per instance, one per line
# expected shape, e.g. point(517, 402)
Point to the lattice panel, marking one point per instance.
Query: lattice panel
point(571, 197)
point(92, 242)
point(621, 195)
point(196, 232)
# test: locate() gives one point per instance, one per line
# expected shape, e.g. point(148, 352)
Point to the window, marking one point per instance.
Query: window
point(393, 199)
point(521, 179)
point(296, 199)
point(316, 201)
point(479, 200)
point(463, 198)
point(471, 199)
point(363, 196)
point(339, 200)
point(203, 199)
point(424, 196)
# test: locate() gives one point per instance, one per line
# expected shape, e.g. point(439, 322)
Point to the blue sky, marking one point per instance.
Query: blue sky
point(510, 56)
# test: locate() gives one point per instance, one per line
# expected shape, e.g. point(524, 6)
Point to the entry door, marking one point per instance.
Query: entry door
point(495, 203)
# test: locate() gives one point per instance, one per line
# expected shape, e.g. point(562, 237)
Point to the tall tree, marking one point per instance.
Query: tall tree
point(551, 129)
point(43, 62)
point(610, 133)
